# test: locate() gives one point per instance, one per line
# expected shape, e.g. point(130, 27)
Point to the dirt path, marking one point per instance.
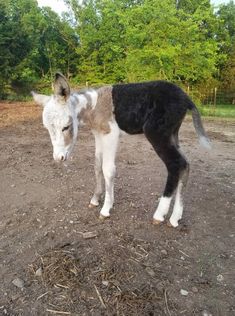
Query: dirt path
point(128, 267)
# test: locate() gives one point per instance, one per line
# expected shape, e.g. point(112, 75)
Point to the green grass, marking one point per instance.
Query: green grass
point(220, 110)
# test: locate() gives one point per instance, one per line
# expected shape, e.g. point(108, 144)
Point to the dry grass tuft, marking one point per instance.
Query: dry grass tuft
point(118, 284)
point(59, 268)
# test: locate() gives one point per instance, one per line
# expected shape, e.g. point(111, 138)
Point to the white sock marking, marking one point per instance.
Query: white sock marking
point(162, 209)
point(178, 206)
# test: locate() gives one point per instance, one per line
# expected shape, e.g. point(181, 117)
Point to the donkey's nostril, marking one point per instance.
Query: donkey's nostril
point(62, 158)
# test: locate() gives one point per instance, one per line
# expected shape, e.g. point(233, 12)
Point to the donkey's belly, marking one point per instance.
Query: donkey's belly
point(130, 123)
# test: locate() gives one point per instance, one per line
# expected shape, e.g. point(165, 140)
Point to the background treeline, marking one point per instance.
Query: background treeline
point(109, 41)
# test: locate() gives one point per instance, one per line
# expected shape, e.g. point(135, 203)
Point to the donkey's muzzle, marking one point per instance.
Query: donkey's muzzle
point(60, 156)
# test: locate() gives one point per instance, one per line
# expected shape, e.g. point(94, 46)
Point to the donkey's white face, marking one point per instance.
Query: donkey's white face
point(60, 118)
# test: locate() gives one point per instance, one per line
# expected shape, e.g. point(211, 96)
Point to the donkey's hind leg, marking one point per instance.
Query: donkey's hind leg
point(178, 206)
point(176, 165)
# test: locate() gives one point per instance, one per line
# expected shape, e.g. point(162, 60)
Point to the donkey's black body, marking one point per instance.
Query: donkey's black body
point(137, 103)
point(157, 109)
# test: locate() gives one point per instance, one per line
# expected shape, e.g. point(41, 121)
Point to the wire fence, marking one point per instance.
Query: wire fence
point(212, 97)
point(216, 97)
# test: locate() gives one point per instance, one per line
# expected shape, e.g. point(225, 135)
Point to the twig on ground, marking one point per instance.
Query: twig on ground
point(58, 312)
point(88, 235)
point(42, 296)
point(184, 253)
point(63, 286)
point(100, 297)
point(166, 302)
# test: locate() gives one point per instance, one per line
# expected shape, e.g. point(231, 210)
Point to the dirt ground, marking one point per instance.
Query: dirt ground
point(58, 258)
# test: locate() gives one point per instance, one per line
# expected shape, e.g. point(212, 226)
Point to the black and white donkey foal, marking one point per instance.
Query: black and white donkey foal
point(155, 108)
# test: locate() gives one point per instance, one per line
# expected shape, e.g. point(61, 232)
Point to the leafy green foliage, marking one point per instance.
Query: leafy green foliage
point(167, 43)
point(146, 40)
point(226, 14)
point(15, 42)
point(34, 43)
point(108, 41)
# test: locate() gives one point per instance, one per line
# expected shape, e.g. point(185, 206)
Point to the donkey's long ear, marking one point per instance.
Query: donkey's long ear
point(40, 99)
point(61, 86)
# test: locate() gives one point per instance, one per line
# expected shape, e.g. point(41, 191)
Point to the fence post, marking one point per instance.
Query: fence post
point(214, 103)
point(215, 96)
point(188, 89)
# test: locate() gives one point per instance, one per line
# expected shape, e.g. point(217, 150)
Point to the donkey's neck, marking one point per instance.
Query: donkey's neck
point(79, 102)
point(94, 108)
point(83, 104)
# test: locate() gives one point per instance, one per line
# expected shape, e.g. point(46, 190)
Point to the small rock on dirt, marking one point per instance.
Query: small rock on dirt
point(164, 252)
point(88, 235)
point(194, 289)
point(183, 292)
point(150, 271)
point(160, 286)
point(220, 278)
point(38, 273)
point(18, 283)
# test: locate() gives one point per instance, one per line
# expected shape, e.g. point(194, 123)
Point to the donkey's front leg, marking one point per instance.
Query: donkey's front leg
point(98, 172)
point(109, 148)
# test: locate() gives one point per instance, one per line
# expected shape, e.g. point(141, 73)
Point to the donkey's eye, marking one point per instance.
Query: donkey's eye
point(65, 128)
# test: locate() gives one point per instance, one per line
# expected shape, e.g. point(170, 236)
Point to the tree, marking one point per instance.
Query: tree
point(190, 6)
point(165, 42)
point(56, 45)
point(108, 41)
point(34, 42)
point(101, 46)
point(15, 42)
point(226, 14)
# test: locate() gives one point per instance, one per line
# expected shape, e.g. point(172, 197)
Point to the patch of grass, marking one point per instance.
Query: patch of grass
point(220, 110)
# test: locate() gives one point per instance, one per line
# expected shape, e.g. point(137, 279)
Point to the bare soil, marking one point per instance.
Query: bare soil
point(68, 262)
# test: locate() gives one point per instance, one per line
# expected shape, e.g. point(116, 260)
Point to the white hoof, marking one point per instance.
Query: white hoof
point(173, 222)
point(158, 218)
point(94, 202)
point(91, 205)
point(105, 212)
point(157, 222)
point(102, 217)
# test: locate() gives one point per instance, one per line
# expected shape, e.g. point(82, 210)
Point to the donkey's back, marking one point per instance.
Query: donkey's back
point(135, 103)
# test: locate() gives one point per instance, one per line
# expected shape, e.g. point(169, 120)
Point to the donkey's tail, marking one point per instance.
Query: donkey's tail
point(197, 122)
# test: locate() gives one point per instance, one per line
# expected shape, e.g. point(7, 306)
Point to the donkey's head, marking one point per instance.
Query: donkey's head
point(59, 117)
